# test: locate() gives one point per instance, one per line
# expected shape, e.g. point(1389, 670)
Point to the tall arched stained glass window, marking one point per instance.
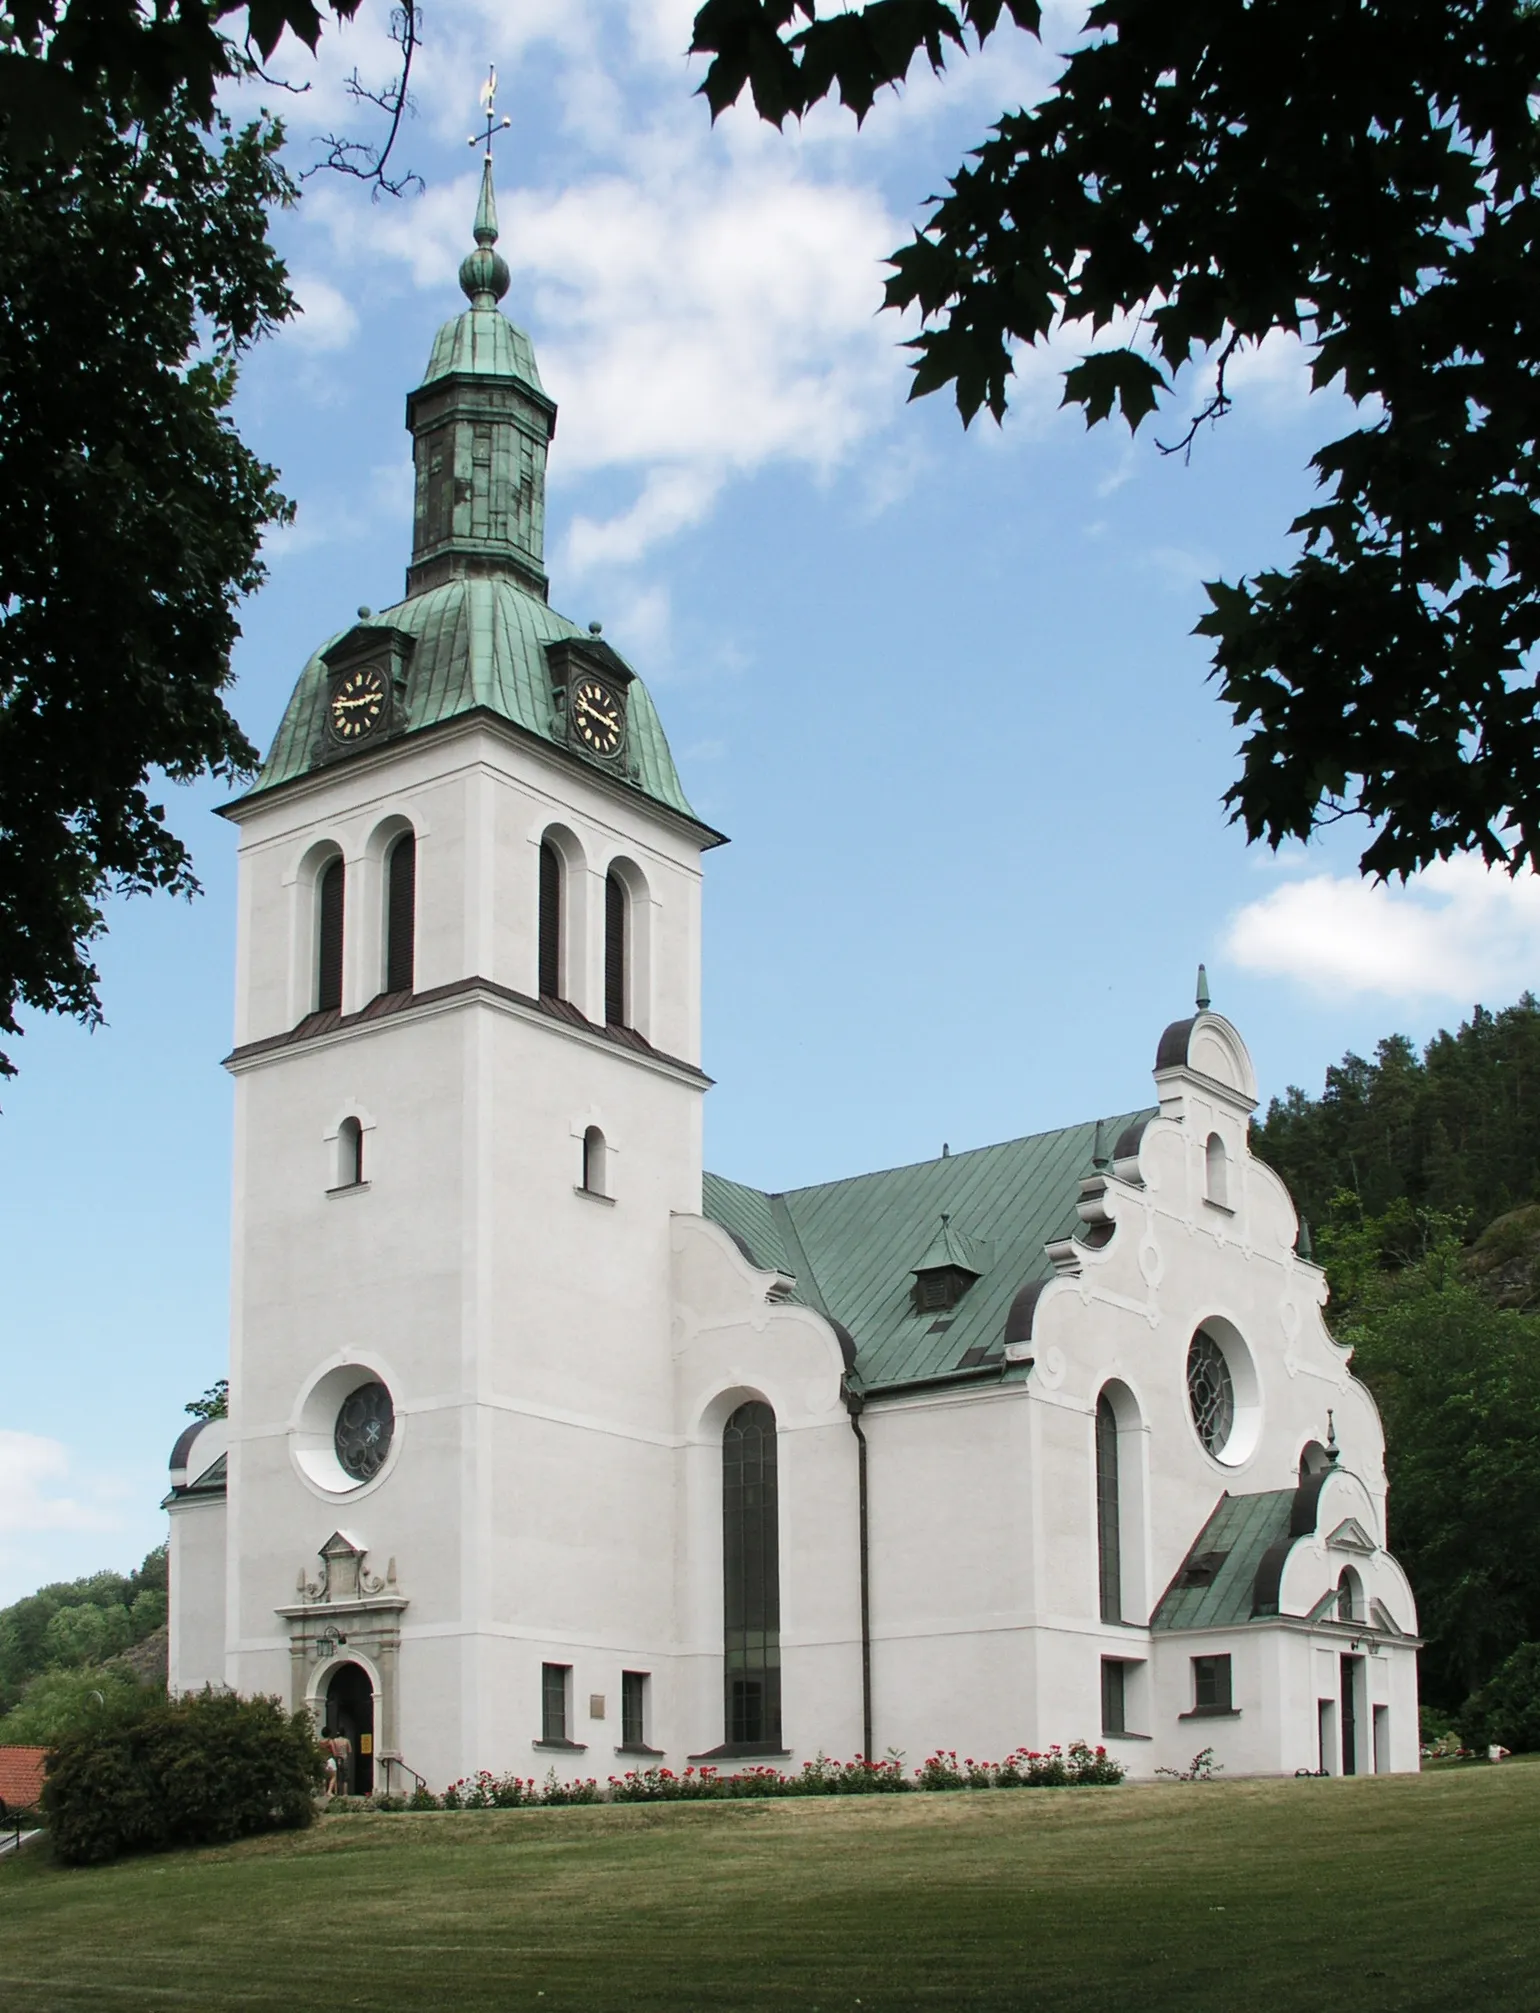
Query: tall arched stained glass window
point(616, 908)
point(332, 891)
point(1109, 1541)
point(550, 921)
point(751, 1574)
point(401, 915)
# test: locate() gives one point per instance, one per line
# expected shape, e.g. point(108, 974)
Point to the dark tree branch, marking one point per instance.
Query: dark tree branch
point(358, 158)
point(1214, 408)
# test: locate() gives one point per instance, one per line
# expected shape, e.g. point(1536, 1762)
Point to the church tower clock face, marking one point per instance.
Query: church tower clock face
point(598, 717)
point(357, 705)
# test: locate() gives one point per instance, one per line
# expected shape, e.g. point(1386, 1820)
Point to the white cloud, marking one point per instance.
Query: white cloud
point(327, 320)
point(1456, 931)
point(639, 621)
point(34, 1479)
point(333, 520)
point(1181, 570)
point(696, 318)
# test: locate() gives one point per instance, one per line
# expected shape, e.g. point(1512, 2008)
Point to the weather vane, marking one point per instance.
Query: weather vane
point(489, 106)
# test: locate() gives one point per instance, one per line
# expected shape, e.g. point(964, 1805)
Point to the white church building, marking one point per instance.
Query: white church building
point(547, 1448)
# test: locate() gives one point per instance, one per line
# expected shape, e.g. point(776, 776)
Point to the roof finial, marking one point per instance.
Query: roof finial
point(1203, 992)
point(484, 272)
point(1332, 1449)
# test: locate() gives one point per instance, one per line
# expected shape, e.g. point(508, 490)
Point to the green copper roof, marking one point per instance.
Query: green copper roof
point(852, 1245)
point(482, 343)
point(478, 643)
point(1215, 1588)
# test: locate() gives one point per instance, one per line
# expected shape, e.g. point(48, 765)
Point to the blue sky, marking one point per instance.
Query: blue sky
point(938, 686)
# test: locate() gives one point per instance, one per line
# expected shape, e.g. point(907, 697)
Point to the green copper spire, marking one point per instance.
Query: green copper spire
point(482, 424)
point(484, 275)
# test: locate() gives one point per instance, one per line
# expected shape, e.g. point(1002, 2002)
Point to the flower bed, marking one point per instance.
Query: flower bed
point(1077, 1766)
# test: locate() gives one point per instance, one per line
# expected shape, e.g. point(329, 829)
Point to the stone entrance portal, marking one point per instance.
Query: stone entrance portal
point(344, 1647)
point(350, 1713)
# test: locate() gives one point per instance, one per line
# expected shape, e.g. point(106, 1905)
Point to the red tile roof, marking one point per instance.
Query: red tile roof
point(21, 1776)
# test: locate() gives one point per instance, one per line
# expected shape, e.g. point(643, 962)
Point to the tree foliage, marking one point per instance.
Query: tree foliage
point(214, 1404)
point(58, 1704)
point(1400, 1165)
point(1361, 174)
point(1506, 1710)
point(1458, 1383)
point(134, 277)
point(61, 61)
point(1454, 1131)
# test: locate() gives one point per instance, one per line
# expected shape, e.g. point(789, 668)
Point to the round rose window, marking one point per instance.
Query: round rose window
point(1210, 1392)
point(365, 1423)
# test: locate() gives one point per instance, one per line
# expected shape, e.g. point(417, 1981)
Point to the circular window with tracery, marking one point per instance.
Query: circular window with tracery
point(366, 1420)
point(1210, 1392)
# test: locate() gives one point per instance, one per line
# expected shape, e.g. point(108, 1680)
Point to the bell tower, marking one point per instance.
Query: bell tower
point(467, 1108)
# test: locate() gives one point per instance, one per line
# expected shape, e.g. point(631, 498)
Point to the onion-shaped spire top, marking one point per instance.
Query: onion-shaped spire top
point(484, 277)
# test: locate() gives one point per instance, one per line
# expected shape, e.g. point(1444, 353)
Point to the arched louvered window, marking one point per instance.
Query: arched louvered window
point(1109, 1508)
point(616, 918)
point(328, 993)
point(550, 921)
point(751, 1574)
point(401, 915)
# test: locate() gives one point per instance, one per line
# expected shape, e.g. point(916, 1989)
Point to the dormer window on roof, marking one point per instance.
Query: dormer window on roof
point(949, 1267)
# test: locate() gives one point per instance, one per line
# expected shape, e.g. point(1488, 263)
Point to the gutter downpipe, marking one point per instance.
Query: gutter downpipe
point(855, 1404)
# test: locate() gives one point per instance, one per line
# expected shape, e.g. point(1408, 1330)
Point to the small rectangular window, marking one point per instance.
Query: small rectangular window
point(1114, 1695)
point(555, 1680)
point(1211, 1684)
point(633, 1708)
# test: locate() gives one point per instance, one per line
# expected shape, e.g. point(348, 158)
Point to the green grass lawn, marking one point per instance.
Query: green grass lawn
point(1395, 1893)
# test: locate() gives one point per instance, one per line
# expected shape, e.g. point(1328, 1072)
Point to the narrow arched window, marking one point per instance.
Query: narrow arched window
point(595, 1162)
point(350, 1154)
point(1109, 1510)
point(1216, 1171)
point(332, 891)
point(751, 1576)
point(550, 921)
point(401, 915)
point(616, 916)
point(1348, 1598)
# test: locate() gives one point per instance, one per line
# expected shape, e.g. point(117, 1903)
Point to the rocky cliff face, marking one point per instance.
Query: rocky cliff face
point(1504, 1261)
point(148, 1660)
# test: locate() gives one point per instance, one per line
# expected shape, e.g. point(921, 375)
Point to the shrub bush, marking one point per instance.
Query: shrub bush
point(202, 1770)
point(1506, 1710)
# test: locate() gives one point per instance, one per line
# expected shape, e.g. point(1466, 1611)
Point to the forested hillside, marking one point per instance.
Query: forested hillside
point(76, 1640)
point(1420, 1178)
point(1455, 1130)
